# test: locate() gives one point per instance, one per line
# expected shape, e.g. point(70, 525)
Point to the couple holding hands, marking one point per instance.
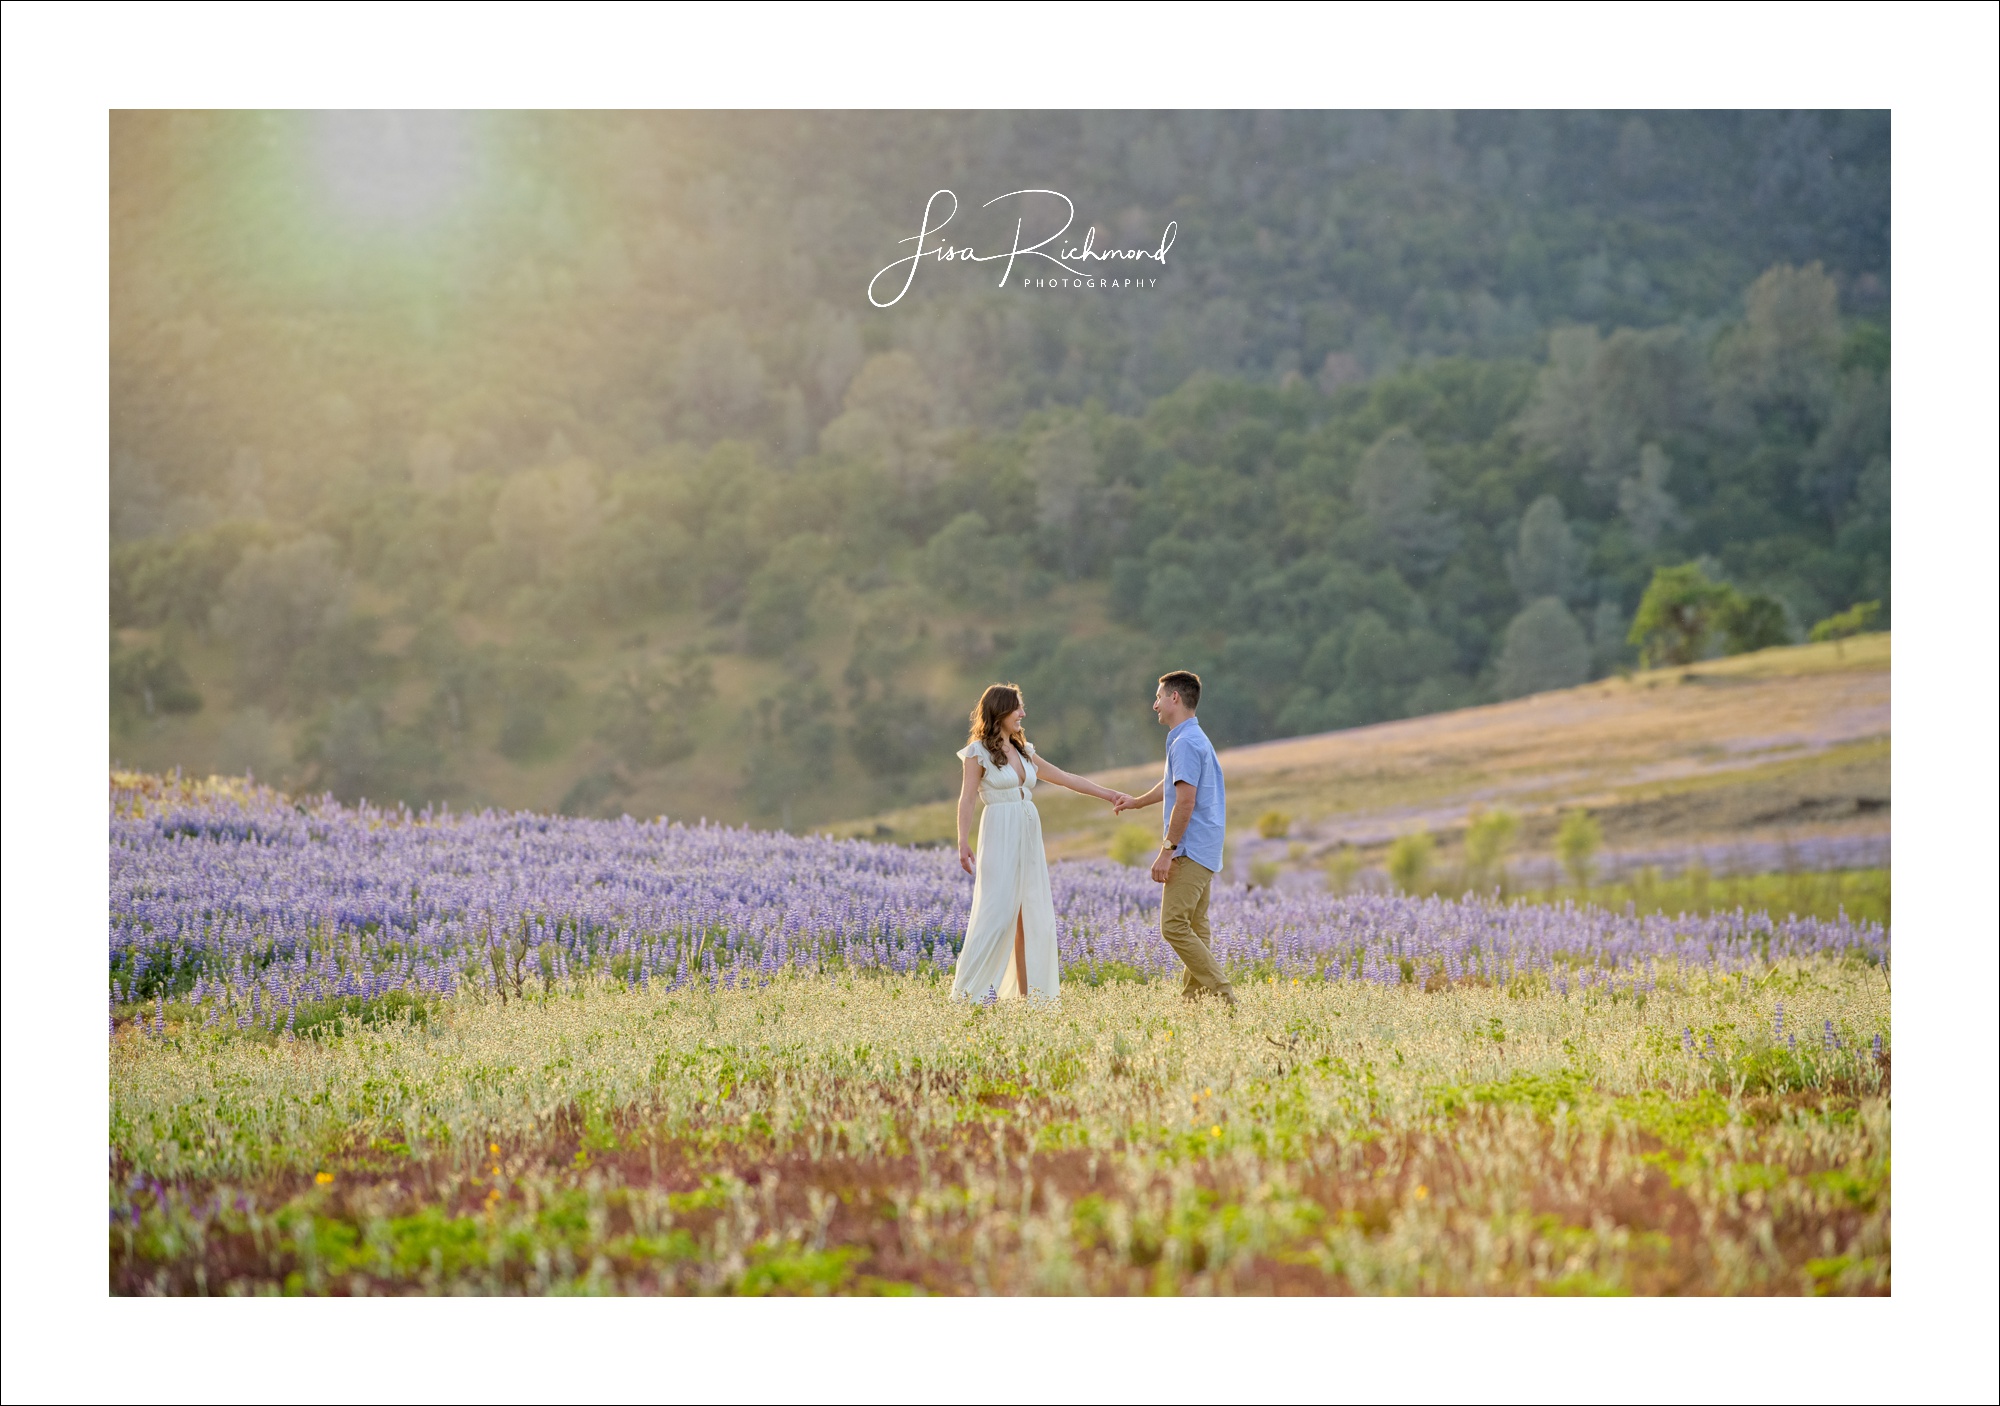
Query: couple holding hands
point(1010, 936)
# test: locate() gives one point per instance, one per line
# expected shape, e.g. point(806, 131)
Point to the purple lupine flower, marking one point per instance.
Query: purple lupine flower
point(272, 903)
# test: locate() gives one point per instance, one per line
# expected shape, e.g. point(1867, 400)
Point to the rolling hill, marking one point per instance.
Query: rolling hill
point(1781, 744)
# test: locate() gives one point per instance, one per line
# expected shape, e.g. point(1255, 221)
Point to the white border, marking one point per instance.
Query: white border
point(66, 65)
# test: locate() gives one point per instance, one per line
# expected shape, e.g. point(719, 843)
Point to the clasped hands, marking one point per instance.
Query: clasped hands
point(1163, 866)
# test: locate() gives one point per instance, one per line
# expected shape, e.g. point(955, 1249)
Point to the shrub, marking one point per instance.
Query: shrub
point(1410, 861)
point(1274, 825)
point(1264, 874)
point(1577, 843)
point(1341, 868)
point(1854, 620)
point(1133, 844)
point(1750, 623)
point(1487, 840)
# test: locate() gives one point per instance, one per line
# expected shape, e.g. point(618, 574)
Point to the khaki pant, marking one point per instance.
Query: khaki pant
point(1184, 924)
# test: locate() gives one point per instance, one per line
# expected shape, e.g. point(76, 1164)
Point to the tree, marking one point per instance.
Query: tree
point(1546, 557)
point(888, 420)
point(1399, 494)
point(1644, 501)
point(1789, 344)
point(1753, 622)
point(968, 561)
point(778, 601)
point(277, 601)
point(1677, 615)
point(1544, 648)
point(146, 682)
point(544, 515)
point(1078, 518)
point(644, 715)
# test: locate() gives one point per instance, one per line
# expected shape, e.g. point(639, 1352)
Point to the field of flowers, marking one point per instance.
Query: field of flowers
point(367, 1051)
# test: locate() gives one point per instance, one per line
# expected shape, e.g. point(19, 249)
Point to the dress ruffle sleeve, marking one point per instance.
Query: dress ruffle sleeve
point(972, 752)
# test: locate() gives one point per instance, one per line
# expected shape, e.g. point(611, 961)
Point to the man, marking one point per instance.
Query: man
point(1192, 850)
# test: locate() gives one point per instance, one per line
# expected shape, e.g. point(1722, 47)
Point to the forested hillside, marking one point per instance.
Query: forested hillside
point(602, 485)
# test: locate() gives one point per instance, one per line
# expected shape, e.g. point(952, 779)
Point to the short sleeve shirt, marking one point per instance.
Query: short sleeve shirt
point(1191, 758)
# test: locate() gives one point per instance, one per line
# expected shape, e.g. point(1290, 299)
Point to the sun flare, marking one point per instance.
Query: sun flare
point(390, 169)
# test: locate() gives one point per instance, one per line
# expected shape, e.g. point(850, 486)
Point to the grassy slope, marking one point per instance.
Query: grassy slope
point(1775, 742)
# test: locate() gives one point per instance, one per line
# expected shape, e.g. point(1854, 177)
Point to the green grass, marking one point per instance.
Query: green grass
point(864, 1136)
point(1863, 894)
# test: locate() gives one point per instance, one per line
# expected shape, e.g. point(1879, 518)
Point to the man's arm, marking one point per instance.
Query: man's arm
point(1177, 823)
point(1151, 798)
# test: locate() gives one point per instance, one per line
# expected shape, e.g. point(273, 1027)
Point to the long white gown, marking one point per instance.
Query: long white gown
point(1011, 878)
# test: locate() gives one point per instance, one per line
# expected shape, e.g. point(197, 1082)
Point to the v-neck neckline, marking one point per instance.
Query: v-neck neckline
point(1021, 776)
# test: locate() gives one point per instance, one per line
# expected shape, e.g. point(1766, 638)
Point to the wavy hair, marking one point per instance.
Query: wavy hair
point(996, 705)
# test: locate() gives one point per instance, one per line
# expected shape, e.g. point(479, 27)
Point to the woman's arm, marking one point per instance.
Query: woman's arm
point(1082, 785)
point(968, 800)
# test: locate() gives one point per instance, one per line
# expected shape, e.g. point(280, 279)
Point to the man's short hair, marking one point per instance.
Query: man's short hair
point(1187, 684)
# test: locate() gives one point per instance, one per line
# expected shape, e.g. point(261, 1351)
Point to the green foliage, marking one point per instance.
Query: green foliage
point(1862, 894)
point(1274, 825)
point(1753, 622)
point(792, 1137)
point(1132, 845)
point(1410, 861)
point(1342, 867)
point(644, 716)
point(1683, 613)
point(1855, 620)
point(1677, 616)
point(159, 581)
point(1544, 648)
point(1488, 838)
point(1578, 838)
point(147, 682)
point(1438, 372)
point(344, 1014)
point(1542, 1094)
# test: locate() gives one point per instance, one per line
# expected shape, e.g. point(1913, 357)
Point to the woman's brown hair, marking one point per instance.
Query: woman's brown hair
point(996, 705)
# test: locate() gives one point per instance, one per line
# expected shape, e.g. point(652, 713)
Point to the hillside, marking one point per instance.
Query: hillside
point(593, 481)
point(1780, 744)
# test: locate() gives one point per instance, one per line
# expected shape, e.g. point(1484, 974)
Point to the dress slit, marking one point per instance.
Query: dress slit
point(1012, 873)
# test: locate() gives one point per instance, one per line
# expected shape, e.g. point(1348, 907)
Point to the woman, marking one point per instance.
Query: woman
point(1010, 937)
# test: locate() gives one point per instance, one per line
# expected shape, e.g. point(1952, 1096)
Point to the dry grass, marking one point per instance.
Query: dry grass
point(1785, 741)
point(864, 1136)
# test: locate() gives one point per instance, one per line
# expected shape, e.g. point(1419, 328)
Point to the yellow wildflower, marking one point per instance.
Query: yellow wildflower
point(323, 1178)
point(1215, 1131)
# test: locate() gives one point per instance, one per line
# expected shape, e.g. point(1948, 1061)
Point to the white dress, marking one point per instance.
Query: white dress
point(1011, 879)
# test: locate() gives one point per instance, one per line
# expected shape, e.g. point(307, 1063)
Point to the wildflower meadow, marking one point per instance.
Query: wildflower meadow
point(376, 1051)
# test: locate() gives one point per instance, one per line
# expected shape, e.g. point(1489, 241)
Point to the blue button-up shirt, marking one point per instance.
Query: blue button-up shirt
point(1191, 758)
